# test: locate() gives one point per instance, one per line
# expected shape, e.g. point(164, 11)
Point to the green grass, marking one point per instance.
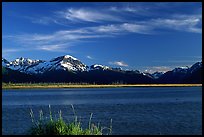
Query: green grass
point(60, 127)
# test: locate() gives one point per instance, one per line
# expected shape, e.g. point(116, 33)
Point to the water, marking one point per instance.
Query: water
point(134, 111)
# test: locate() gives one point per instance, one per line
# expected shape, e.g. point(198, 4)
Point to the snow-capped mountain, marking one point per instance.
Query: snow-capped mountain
point(21, 64)
point(60, 69)
point(66, 62)
point(29, 66)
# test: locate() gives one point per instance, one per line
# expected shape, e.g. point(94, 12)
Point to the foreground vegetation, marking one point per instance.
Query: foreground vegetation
point(60, 127)
point(85, 85)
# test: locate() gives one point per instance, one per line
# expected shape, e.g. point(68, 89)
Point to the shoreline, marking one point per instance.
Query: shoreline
point(35, 86)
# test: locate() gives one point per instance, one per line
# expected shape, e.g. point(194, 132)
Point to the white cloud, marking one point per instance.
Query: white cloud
point(113, 8)
point(195, 30)
point(87, 15)
point(42, 20)
point(89, 57)
point(119, 63)
point(126, 14)
point(152, 69)
point(59, 47)
point(131, 9)
point(57, 40)
point(123, 28)
point(11, 50)
point(189, 60)
point(75, 35)
point(136, 28)
point(180, 22)
point(134, 9)
point(189, 23)
point(107, 29)
point(45, 20)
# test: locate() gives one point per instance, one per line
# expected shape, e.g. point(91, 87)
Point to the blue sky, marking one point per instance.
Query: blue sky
point(133, 35)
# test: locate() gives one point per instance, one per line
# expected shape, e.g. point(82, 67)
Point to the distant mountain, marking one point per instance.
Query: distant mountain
point(70, 69)
point(9, 75)
point(194, 74)
point(183, 75)
point(154, 75)
point(157, 74)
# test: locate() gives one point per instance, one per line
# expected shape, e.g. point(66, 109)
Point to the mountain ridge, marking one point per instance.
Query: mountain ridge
point(70, 69)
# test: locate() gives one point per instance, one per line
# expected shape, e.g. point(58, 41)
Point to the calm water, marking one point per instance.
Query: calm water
point(151, 110)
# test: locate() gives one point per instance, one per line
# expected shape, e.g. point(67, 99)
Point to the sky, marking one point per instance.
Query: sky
point(145, 36)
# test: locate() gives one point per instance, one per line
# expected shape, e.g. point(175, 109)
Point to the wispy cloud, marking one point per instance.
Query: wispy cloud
point(11, 50)
point(122, 9)
point(190, 23)
point(59, 39)
point(52, 42)
point(40, 20)
point(7, 52)
point(46, 20)
point(89, 57)
point(54, 48)
point(179, 60)
point(127, 22)
point(119, 63)
point(124, 28)
point(152, 69)
point(133, 9)
point(88, 15)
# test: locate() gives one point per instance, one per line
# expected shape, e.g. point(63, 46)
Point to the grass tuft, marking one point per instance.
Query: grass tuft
point(59, 127)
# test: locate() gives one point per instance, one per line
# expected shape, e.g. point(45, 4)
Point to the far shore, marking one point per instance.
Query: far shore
point(64, 85)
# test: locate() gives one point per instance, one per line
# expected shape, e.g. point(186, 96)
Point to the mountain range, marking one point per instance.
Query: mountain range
point(70, 69)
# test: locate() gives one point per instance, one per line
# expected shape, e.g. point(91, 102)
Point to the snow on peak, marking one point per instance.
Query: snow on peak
point(5, 63)
point(65, 57)
point(68, 56)
point(23, 61)
point(98, 66)
point(186, 67)
point(66, 62)
point(22, 64)
point(70, 63)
